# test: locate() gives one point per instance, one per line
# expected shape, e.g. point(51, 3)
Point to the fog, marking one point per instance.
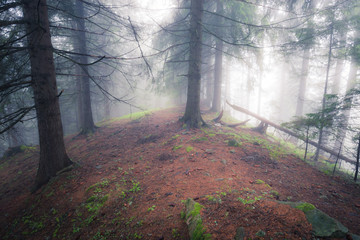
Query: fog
point(267, 85)
point(274, 61)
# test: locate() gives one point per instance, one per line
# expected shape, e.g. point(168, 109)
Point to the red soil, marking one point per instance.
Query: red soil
point(144, 178)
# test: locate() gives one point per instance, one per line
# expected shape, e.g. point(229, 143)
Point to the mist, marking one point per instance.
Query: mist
point(274, 60)
point(147, 119)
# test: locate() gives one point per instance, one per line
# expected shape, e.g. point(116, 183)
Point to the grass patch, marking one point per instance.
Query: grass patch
point(189, 149)
point(99, 185)
point(136, 116)
point(177, 147)
point(305, 207)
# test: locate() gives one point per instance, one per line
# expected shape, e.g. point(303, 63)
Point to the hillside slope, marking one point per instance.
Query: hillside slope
point(133, 174)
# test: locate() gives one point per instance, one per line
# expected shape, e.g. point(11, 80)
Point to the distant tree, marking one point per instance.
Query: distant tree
point(86, 120)
point(306, 36)
point(218, 68)
point(321, 127)
point(230, 27)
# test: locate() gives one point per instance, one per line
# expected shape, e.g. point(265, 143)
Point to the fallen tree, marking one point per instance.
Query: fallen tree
point(291, 133)
point(234, 125)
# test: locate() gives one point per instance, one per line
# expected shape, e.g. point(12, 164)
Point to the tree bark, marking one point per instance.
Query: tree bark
point(107, 106)
point(357, 161)
point(192, 116)
point(53, 155)
point(321, 129)
point(351, 82)
point(302, 88)
point(87, 123)
point(216, 103)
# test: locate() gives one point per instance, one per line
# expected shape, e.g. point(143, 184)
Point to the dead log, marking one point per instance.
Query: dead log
point(236, 124)
point(264, 120)
point(218, 120)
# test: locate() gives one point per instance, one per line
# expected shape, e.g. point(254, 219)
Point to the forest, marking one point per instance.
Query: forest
point(179, 119)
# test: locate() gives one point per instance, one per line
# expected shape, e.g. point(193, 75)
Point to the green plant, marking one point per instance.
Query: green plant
point(249, 200)
point(259, 181)
point(175, 233)
point(217, 197)
point(76, 229)
point(95, 202)
point(137, 116)
point(50, 194)
point(58, 225)
point(140, 223)
point(135, 187)
point(53, 211)
point(193, 216)
point(152, 208)
point(274, 193)
point(199, 232)
point(130, 220)
point(234, 143)
point(305, 207)
point(34, 226)
point(177, 147)
point(137, 236)
point(189, 148)
point(260, 233)
point(200, 139)
point(175, 137)
point(101, 184)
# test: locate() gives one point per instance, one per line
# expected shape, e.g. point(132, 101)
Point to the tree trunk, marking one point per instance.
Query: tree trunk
point(209, 87)
point(192, 116)
point(14, 135)
point(321, 129)
point(107, 106)
point(302, 88)
point(87, 123)
point(351, 82)
point(335, 89)
point(357, 161)
point(53, 156)
point(79, 90)
point(216, 104)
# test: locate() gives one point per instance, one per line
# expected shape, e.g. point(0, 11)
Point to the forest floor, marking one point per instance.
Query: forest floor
point(132, 175)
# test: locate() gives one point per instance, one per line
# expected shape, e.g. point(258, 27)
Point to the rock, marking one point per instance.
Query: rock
point(355, 237)
point(233, 143)
point(240, 234)
point(323, 225)
point(223, 161)
point(261, 233)
point(209, 151)
point(194, 221)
